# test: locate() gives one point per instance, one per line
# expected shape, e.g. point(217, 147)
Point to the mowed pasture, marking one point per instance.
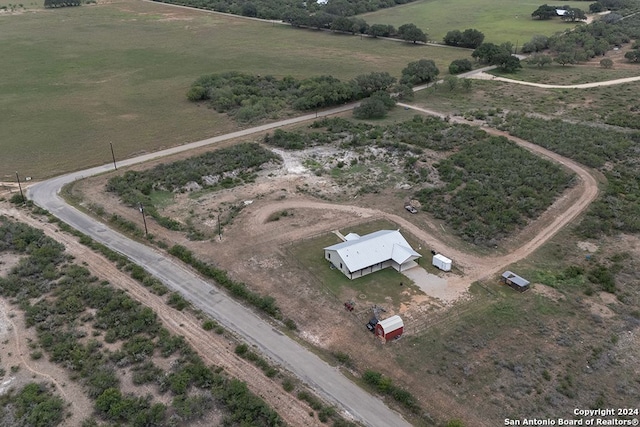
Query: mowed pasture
point(80, 78)
point(500, 20)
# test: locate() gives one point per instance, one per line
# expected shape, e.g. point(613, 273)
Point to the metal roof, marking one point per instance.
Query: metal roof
point(374, 248)
point(391, 324)
point(515, 279)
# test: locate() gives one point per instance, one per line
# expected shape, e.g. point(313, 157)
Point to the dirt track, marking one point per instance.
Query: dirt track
point(571, 204)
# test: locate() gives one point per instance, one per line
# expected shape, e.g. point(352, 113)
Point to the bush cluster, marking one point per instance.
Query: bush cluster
point(32, 405)
point(385, 385)
point(238, 289)
point(611, 151)
point(57, 307)
point(492, 188)
point(223, 168)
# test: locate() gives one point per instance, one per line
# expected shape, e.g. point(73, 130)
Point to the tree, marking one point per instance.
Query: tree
point(451, 82)
point(320, 20)
point(540, 60)
point(573, 14)
point(403, 92)
point(422, 71)
point(536, 44)
point(606, 63)
point(370, 108)
point(249, 9)
point(566, 57)
point(322, 91)
point(359, 26)
point(471, 38)
point(368, 84)
point(507, 62)
point(453, 38)
point(460, 66)
point(487, 51)
point(410, 32)
point(380, 30)
point(611, 18)
point(596, 7)
point(466, 85)
point(544, 12)
point(633, 55)
point(342, 23)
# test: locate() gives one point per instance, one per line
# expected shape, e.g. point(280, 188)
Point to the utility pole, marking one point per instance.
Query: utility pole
point(144, 220)
point(113, 156)
point(20, 187)
point(219, 228)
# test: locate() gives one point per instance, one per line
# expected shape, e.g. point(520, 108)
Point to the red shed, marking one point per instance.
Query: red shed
point(390, 328)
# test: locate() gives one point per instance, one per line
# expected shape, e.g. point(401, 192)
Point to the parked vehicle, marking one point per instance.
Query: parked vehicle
point(411, 209)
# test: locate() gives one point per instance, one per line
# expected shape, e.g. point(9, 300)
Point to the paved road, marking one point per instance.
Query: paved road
point(323, 378)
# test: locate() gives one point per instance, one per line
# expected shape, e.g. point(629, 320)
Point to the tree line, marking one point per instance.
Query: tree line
point(584, 42)
point(61, 3)
point(249, 98)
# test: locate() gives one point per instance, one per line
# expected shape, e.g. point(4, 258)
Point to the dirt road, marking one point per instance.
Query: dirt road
point(484, 76)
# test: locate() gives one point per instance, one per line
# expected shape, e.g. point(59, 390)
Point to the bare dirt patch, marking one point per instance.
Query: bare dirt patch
point(588, 246)
point(7, 262)
point(547, 291)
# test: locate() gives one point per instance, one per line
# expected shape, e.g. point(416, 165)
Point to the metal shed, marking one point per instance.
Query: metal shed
point(442, 262)
point(514, 281)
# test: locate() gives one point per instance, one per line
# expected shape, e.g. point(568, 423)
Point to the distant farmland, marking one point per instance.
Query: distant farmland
point(80, 78)
point(499, 20)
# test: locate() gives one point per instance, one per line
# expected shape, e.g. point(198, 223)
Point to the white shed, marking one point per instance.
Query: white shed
point(442, 262)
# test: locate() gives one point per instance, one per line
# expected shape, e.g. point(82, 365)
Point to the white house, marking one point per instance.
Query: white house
point(361, 255)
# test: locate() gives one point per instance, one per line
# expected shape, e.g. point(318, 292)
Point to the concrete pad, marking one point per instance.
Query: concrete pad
point(430, 284)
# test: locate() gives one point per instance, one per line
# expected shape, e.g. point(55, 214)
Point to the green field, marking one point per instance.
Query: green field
point(499, 20)
point(83, 77)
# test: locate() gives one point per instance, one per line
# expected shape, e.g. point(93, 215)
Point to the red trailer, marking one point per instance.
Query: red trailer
point(390, 328)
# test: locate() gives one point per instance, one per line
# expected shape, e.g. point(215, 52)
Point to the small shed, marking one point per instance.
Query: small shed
point(390, 328)
point(442, 262)
point(514, 281)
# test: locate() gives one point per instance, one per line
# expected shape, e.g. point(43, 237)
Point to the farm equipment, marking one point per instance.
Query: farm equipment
point(350, 305)
point(374, 320)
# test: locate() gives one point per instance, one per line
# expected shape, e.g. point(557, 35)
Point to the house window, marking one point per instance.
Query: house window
point(329, 256)
point(340, 266)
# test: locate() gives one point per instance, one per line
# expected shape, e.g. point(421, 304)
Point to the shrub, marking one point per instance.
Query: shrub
point(370, 108)
point(208, 325)
point(176, 301)
point(460, 66)
point(287, 385)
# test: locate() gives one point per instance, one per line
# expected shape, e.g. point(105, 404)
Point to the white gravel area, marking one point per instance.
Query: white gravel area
point(432, 285)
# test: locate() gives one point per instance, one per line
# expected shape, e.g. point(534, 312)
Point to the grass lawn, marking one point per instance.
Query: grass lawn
point(499, 20)
point(607, 104)
point(568, 75)
point(80, 78)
